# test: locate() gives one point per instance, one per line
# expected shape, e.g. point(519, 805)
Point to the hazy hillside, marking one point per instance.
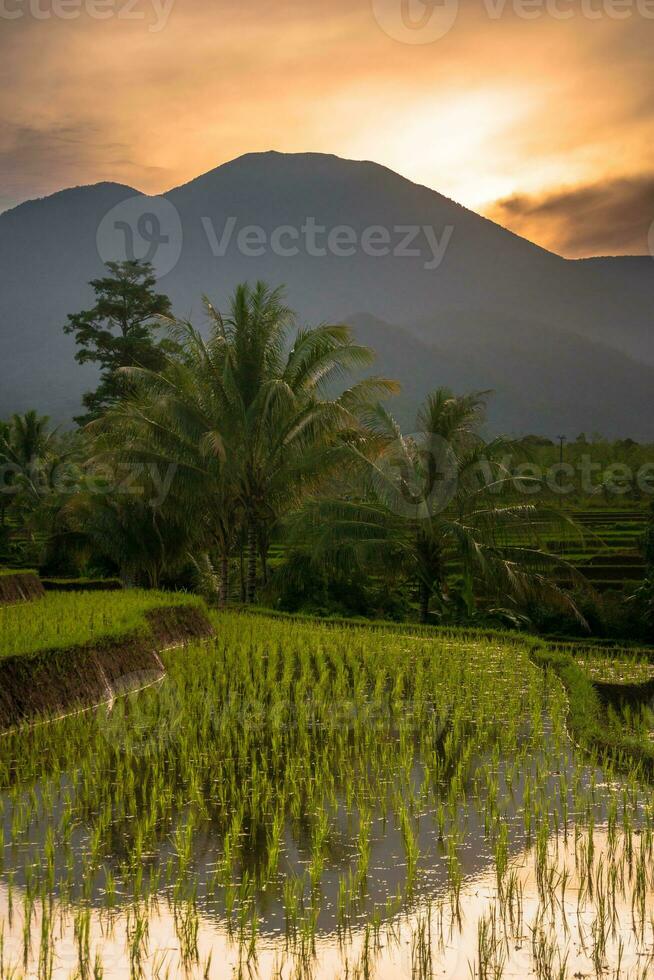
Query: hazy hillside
point(497, 311)
point(546, 382)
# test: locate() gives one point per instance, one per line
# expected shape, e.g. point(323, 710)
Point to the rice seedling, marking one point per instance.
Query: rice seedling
point(69, 619)
point(317, 787)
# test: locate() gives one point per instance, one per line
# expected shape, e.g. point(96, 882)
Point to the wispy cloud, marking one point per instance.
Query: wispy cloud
point(500, 109)
point(612, 216)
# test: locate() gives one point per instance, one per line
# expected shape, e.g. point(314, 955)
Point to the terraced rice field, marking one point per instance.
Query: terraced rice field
point(304, 800)
point(607, 547)
point(65, 620)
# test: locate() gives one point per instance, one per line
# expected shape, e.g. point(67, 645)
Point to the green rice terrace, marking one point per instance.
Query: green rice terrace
point(293, 688)
point(68, 620)
point(605, 546)
point(296, 798)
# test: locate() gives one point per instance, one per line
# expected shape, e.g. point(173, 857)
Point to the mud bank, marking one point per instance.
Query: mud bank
point(20, 587)
point(55, 682)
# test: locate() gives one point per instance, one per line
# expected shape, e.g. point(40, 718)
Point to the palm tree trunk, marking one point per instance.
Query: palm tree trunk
point(424, 602)
point(223, 593)
point(264, 563)
point(251, 584)
point(241, 559)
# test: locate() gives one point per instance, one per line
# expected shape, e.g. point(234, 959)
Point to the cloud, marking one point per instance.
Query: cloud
point(34, 158)
point(612, 216)
point(499, 109)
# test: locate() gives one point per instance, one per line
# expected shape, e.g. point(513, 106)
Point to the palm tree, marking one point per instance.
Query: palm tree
point(248, 418)
point(430, 501)
point(25, 441)
point(124, 530)
point(28, 448)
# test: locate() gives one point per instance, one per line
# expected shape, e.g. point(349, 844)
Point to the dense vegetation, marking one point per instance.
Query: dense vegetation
point(257, 461)
point(295, 795)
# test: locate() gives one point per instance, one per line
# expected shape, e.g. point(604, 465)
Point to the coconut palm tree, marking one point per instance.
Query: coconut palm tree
point(247, 417)
point(29, 451)
point(432, 501)
point(26, 441)
point(125, 530)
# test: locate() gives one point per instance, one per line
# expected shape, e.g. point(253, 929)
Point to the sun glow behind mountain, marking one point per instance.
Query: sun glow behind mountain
point(448, 134)
point(543, 123)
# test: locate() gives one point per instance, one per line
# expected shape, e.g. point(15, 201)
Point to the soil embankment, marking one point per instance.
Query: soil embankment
point(55, 682)
point(20, 587)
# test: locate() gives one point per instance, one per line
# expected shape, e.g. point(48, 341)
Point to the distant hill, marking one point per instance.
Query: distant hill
point(567, 345)
point(544, 382)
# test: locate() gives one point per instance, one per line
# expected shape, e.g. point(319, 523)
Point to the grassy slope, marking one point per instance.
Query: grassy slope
point(71, 619)
point(587, 716)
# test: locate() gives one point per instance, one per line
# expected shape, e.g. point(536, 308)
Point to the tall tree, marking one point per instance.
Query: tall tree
point(118, 332)
point(246, 417)
point(26, 446)
point(430, 502)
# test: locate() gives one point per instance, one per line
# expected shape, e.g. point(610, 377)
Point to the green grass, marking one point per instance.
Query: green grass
point(617, 740)
point(71, 619)
point(629, 668)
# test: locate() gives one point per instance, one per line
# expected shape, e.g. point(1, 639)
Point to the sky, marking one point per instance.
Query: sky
point(536, 113)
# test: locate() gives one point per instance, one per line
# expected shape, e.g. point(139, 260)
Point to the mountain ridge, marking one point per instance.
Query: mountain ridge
point(492, 294)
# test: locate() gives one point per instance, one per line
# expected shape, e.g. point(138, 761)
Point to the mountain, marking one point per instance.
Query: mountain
point(537, 380)
point(566, 345)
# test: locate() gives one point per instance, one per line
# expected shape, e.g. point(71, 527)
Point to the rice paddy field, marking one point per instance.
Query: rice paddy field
point(299, 799)
point(604, 545)
point(65, 620)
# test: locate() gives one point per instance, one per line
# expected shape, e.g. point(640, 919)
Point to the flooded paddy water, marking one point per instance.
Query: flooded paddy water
point(296, 800)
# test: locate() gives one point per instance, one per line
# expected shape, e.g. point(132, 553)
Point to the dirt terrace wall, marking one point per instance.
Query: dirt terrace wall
point(20, 587)
point(55, 682)
point(82, 585)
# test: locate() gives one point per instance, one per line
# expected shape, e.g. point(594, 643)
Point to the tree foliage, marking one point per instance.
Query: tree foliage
point(246, 418)
point(118, 331)
point(430, 501)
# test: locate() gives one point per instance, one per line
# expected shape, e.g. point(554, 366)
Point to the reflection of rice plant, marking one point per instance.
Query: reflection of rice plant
point(282, 764)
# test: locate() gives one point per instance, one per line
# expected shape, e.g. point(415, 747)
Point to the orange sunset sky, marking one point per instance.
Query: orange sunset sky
point(540, 116)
